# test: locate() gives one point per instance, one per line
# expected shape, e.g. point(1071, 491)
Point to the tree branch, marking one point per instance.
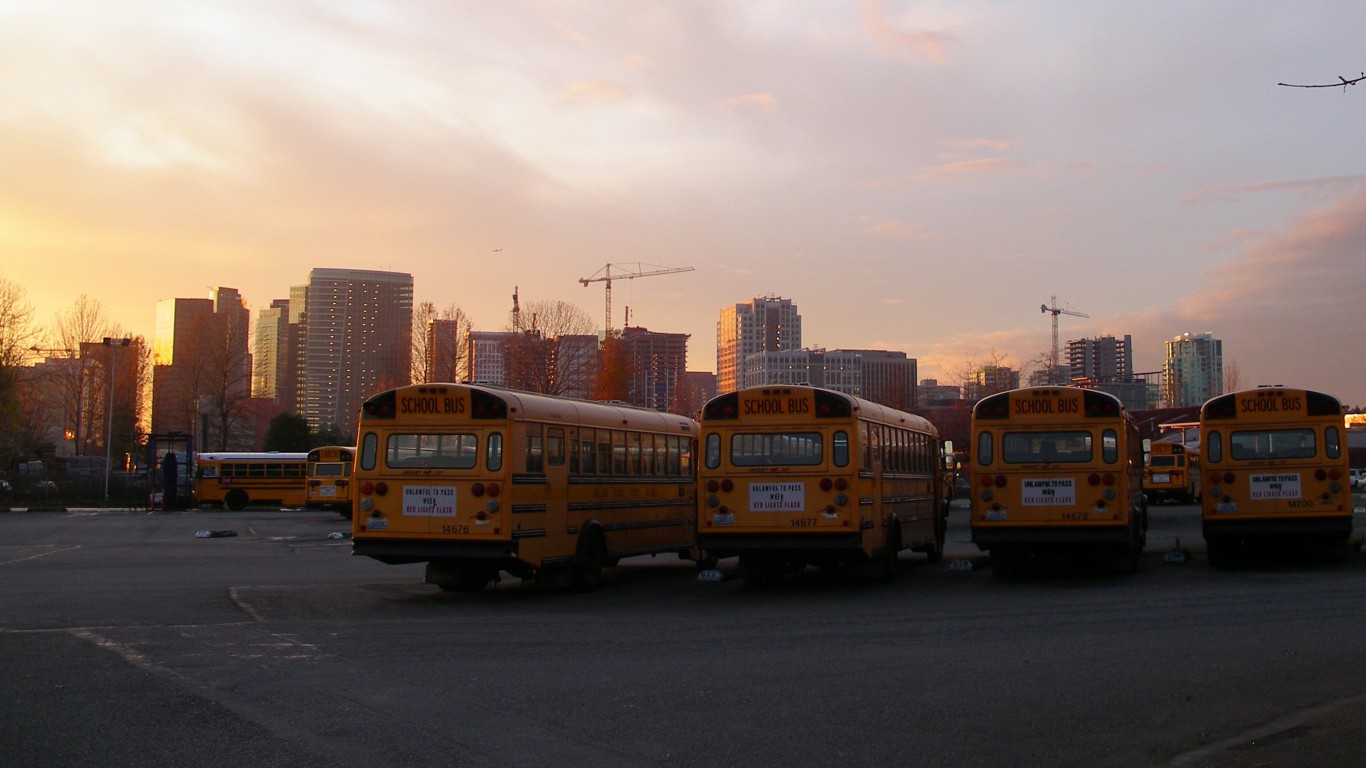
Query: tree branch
point(1344, 82)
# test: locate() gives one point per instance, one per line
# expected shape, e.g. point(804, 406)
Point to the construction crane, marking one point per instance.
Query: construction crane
point(625, 272)
point(1056, 310)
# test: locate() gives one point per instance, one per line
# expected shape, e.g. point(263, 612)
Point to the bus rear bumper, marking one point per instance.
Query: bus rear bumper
point(400, 551)
point(1340, 525)
point(1037, 536)
point(731, 544)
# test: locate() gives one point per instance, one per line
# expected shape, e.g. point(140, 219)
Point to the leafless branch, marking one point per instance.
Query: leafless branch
point(1344, 82)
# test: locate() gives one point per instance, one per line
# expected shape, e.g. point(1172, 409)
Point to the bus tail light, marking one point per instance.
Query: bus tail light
point(492, 490)
point(477, 490)
point(1000, 481)
point(841, 484)
point(367, 487)
point(381, 488)
point(1108, 478)
point(727, 486)
point(1228, 478)
point(827, 484)
point(713, 485)
point(1320, 474)
point(1093, 478)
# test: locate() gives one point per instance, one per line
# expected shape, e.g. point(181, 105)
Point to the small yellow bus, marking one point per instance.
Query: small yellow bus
point(797, 475)
point(329, 478)
point(1276, 468)
point(234, 480)
point(1057, 471)
point(1171, 472)
point(474, 480)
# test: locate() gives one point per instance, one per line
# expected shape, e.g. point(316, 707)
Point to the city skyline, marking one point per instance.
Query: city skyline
point(920, 178)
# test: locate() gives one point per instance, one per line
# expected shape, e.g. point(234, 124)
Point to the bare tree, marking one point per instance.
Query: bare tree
point(555, 351)
point(977, 379)
point(225, 379)
point(73, 385)
point(1232, 375)
point(17, 335)
point(440, 343)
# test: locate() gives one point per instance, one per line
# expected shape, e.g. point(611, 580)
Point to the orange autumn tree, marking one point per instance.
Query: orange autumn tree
point(613, 381)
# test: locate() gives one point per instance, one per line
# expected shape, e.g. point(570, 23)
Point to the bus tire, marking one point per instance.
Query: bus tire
point(589, 560)
point(1002, 563)
point(236, 500)
point(891, 551)
point(762, 570)
point(1219, 552)
point(936, 551)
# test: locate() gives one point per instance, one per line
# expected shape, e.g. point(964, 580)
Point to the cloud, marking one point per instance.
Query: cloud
point(1309, 188)
point(594, 93)
point(889, 230)
point(760, 102)
point(901, 42)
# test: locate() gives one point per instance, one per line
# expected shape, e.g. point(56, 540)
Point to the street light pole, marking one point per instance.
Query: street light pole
point(113, 345)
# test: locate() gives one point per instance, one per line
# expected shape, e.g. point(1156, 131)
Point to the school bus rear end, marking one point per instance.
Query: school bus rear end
point(1276, 471)
point(775, 478)
point(1056, 471)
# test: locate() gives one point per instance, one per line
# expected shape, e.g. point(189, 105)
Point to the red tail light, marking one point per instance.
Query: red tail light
point(477, 490)
point(1321, 474)
point(826, 484)
point(1093, 478)
point(1108, 478)
point(367, 487)
point(381, 488)
point(492, 489)
point(727, 485)
point(713, 486)
point(841, 484)
point(1000, 481)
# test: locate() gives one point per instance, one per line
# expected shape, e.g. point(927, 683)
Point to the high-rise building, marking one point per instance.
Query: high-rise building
point(658, 362)
point(990, 379)
point(1194, 369)
point(271, 350)
point(1102, 360)
point(486, 350)
point(443, 347)
point(202, 366)
point(767, 324)
point(886, 377)
point(357, 340)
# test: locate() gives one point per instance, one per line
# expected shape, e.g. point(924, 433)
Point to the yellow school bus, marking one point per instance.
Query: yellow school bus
point(1171, 472)
point(329, 478)
point(475, 480)
point(1057, 471)
point(1276, 467)
point(796, 475)
point(235, 480)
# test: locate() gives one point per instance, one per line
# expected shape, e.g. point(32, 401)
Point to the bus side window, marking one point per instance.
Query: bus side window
point(1214, 448)
point(984, 446)
point(1332, 443)
point(534, 456)
point(841, 449)
point(369, 449)
point(1109, 446)
point(676, 454)
point(494, 459)
point(588, 455)
point(554, 446)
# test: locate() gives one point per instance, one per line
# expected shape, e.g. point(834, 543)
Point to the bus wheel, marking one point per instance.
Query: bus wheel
point(1219, 552)
point(589, 561)
point(891, 560)
point(236, 500)
point(759, 570)
point(471, 578)
point(1002, 563)
point(936, 551)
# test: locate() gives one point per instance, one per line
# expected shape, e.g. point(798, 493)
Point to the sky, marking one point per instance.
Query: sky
point(915, 176)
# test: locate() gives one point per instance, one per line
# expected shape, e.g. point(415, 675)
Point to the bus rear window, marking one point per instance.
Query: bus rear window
point(785, 449)
point(1252, 445)
point(405, 451)
point(1046, 447)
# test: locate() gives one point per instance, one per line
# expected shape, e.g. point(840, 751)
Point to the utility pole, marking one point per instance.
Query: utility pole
point(113, 345)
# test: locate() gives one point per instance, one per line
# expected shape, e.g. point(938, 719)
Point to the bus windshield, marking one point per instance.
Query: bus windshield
point(776, 449)
point(1034, 447)
point(1251, 445)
